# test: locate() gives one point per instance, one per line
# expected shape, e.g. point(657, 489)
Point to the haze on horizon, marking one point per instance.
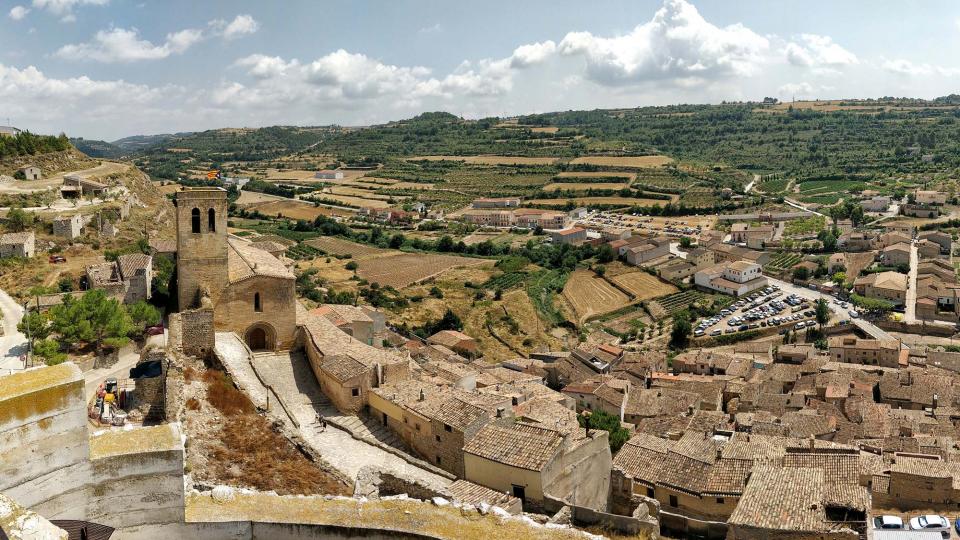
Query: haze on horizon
point(108, 68)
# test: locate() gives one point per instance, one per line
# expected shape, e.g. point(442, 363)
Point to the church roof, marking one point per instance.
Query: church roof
point(245, 261)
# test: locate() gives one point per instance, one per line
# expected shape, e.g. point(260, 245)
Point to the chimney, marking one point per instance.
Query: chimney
point(813, 443)
point(936, 400)
point(690, 410)
point(422, 396)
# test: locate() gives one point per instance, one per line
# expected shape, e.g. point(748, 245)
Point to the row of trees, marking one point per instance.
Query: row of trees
point(93, 319)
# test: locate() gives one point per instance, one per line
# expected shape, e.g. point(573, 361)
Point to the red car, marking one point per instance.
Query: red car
point(154, 330)
point(54, 259)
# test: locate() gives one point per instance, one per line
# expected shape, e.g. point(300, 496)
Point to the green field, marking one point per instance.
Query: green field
point(782, 261)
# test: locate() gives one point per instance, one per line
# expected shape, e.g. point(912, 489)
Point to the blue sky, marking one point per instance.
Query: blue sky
point(111, 68)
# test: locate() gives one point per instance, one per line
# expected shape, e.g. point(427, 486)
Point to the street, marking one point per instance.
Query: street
point(910, 310)
point(13, 344)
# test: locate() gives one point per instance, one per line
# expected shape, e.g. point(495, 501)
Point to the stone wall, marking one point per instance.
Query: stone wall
point(582, 476)
point(201, 256)
point(192, 333)
point(278, 316)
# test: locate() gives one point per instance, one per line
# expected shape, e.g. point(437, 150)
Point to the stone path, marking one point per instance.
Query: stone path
point(293, 382)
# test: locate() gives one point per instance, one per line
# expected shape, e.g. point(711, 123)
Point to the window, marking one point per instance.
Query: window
point(418, 427)
point(650, 492)
point(447, 428)
point(256, 303)
point(211, 220)
point(354, 392)
point(438, 460)
point(195, 220)
point(719, 500)
point(437, 437)
point(673, 501)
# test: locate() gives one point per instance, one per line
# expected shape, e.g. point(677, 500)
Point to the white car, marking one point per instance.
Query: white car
point(888, 522)
point(853, 314)
point(930, 522)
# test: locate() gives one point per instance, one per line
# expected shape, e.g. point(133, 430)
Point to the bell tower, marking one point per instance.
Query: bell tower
point(201, 245)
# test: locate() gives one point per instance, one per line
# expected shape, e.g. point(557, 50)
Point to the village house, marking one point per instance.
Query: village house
point(600, 393)
point(610, 234)
point(647, 250)
point(545, 466)
point(128, 279)
point(730, 253)
point(920, 210)
point(870, 352)
point(736, 279)
point(890, 286)
point(917, 481)
point(856, 241)
point(676, 270)
point(362, 322)
point(19, 244)
point(8, 131)
point(930, 197)
point(942, 239)
point(328, 175)
point(893, 237)
point(927, 249)
point(69, 227)
point(455, 341)
point(755, 236)
point(573, 236)
point(163, 248)
point(876, 204)
point(895, 255)
point(76, 186)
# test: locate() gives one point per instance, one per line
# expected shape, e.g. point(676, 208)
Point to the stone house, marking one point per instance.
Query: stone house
point(75, 186)
point(572, 236)
point(871, 352)
point(455, 341)
point(19, 244)
point(362, 322)
point(927, 249)
point(942, 239)
point(920, 210)
point(69, 227)
point(544, 467)
point(436, 421)
point(856, 241)
point(931, 197)
point(896, 254)
point(917, 481)
point(647, 250)
point(600, 393)
point(890, 286)
point(30, 172)
point(128, 279)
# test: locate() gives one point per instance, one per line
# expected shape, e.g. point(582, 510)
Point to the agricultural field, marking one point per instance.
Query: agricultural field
point(248, 198)
point(611, 201)
point(783, 261)
point(352, 201)
point(303, 251)
point(626, 322)
point(402, 270)
point(591, 295)
point(623, 161)
point(340, 247)
point(804, 227)
point(812, 188)
point(674, 303)
point(583, 186)
point(773, 186)
point(491, 160)
point(629, 176)
point(294, 209)
point(642, 285)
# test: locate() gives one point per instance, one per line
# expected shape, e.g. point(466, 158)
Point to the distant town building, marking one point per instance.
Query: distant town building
point(870, 352)
point(8, 131)
point(329, 175)
point(498, 202)
point(573, 235)
point(736, 278)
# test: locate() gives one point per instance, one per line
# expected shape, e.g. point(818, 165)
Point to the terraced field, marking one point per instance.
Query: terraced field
point(583, 186)
point(782, 261)
point(674, 303)
point(642, 285)
point(623, 161)
point(590, 295)
point(401, 270)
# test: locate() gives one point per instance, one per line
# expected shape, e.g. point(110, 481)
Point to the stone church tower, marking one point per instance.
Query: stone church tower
point(201, 246)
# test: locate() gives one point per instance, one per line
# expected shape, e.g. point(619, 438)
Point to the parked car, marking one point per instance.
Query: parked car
point(56, 259)
point(930, 522)
point(853, 314)
point(888, 522)
point(154, 330)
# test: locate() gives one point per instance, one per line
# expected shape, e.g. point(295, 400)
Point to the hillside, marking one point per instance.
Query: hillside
point(97, 149)
point(49, 163)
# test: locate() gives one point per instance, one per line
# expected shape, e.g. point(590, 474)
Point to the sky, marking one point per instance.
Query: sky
point(106, 69)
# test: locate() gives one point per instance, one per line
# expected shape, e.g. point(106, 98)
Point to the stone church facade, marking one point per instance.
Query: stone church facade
point(249, 291)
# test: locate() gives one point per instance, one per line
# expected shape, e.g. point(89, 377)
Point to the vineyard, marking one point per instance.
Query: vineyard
point(339, 247)
point(673, 303)
point(505, 281)
point(783, 261)
point(402, 270)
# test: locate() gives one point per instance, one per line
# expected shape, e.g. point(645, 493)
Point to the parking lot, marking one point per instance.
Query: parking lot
point(898, 520)
point(764, 308)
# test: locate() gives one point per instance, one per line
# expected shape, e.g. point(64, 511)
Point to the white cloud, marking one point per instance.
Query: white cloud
point(241, 25)
point(901, 66)
point(125, 45)
point(818, 51)
point(64, 8)
point(18, 13)
point(535, 53)
point(677, 43)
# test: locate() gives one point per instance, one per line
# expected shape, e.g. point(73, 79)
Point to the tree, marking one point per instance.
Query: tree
point(35, 325)
point(65, 284)
point(143, 314)
point(396, 241)
point(823, 312)
point(606, 254)
point(685, 242)
point(163, 269)
point(801, 273)
point(600, 270)
point(680, 334)
point(839, 278)
point(18, 220)
point(49, 350)
point(93, 318)
point(352, 266)
point(602, 420)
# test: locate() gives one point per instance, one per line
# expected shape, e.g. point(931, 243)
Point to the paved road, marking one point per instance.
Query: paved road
point(12, 343)
point(800, 206)
point(756, 178)
point(910, 311)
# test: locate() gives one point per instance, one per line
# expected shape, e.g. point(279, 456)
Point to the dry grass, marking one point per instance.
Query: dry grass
point(491, 160)
point(590, 295)
point(222, 394)
point(355, 201)
point(643, 285)
point(338, 246)
point(298, 210)
point(602, 174)
point(193, 404)
point(623, 161)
